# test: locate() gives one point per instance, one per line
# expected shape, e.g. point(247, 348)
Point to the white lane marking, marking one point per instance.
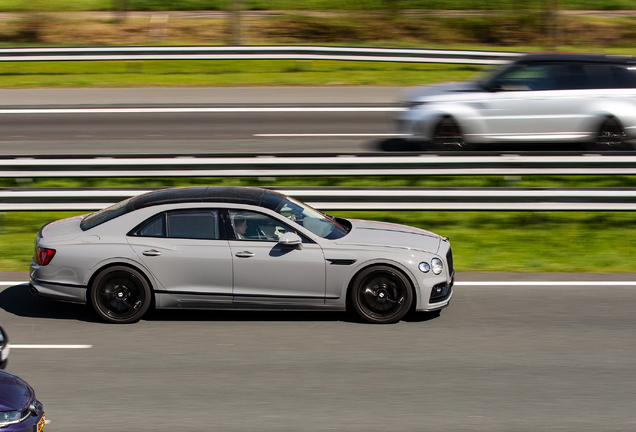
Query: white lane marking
point(329, 135)
point(51, 346)
point(195, 110)
point(547, 283)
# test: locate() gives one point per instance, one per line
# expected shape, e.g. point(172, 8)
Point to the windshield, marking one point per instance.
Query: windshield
point(313, 220)
point(488, 73)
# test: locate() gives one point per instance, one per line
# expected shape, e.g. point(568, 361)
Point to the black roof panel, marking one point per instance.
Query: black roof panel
point(576, 57)
point(234, 195)
point(208, 194)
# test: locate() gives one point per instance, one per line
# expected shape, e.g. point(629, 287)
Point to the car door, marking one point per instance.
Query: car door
point(185, 252)
point(266, 272)
point(518, 105)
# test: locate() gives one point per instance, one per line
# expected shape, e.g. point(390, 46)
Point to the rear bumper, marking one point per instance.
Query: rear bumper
point(67, 293)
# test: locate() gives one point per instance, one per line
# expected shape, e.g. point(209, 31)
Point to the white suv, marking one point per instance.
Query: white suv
point(541, 98)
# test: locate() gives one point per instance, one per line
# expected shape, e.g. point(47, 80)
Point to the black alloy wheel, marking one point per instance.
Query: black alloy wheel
point(448, 135)
point(120, 295)
point(611, 136)
point(381, 295)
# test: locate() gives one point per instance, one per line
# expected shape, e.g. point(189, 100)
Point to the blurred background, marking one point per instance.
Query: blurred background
point(506, 355)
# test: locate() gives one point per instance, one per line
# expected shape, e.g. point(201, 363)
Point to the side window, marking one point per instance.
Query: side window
point(600, 77)
point(155, 228)
point(253, 226)
point(524, 77)
point(193, 224)
point(624, 77)
point(570, 77)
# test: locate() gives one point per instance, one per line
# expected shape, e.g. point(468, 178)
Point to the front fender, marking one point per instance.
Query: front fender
point(426, 118)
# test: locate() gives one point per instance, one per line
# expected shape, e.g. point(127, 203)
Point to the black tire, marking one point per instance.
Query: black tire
point(448, 135)
point(610, 136)
point(120, 295)
point(381, 295)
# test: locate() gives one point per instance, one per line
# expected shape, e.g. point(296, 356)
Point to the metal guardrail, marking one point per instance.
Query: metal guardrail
point(424, 199)
point(344, 165)
point(329, 199)
point(256, 53)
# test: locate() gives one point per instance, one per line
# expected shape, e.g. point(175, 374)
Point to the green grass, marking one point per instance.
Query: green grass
point(482, 241)
point(225, 73)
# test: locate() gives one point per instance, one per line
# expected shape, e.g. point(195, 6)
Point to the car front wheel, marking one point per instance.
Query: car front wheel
point(448, 135)
point(120, 295)
point(381, 295)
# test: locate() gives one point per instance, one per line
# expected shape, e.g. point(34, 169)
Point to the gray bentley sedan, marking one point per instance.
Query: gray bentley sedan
point(238, 248)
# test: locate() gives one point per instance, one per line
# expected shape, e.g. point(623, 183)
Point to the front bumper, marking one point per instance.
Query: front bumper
point(441, 295)
point(33, 423)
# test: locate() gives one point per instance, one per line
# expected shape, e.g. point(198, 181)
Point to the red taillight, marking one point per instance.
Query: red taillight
point(44, 256)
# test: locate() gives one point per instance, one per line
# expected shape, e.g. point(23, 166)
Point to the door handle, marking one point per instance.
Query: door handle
point(245, 254)
point(151, 252)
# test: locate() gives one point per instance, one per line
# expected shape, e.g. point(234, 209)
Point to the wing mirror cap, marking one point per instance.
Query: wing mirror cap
point(291, 239)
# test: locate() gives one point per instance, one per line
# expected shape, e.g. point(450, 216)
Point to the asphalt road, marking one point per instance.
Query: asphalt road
point(203, 120)
point(551, 356)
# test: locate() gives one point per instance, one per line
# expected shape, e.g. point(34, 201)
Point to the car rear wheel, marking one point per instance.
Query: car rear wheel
point(381, 295)
point(448, 135)
point(120, 295)
point(611, 136)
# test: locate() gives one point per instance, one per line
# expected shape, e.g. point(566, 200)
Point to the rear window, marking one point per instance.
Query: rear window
point(109, 213)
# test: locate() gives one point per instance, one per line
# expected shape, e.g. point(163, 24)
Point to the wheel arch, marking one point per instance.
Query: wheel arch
point(413, 285)
point(111, 264)
point(467, 117)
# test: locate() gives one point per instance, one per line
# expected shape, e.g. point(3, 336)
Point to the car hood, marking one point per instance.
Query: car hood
point(417, 93)
point(15, 393)
point(384, 234)
point(63, 227)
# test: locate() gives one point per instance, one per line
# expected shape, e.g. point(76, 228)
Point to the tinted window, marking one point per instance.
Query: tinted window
point(155, 228)
point(625, 78)
point(608, 77)
point(104, 215)
point(570, 77)
point(524, 77)
point(250, 225)
point(193, 224)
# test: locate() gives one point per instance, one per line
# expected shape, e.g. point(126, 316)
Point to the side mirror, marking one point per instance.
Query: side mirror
point(290, 239)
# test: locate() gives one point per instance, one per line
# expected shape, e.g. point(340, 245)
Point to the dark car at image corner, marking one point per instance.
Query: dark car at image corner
point(20, 411)
point(238, 248)
point(553, 98)
point(4, 348)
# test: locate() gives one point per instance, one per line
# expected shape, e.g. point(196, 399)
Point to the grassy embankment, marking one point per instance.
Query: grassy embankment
point(489, 241)
point(482, 241)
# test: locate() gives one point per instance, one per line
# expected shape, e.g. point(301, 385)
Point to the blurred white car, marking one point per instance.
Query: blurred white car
point(541, 98)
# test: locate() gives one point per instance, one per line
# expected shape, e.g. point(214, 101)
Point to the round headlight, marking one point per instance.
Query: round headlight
point(424, 267)
point(437, 265)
